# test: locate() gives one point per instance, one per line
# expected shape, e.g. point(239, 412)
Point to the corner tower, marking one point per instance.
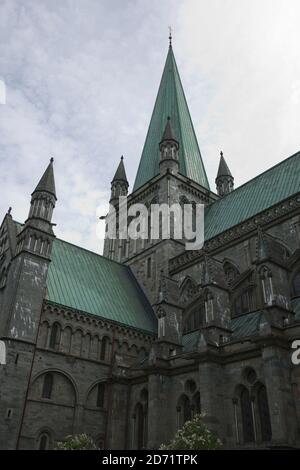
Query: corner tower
point(171, 171)
point(21, 304)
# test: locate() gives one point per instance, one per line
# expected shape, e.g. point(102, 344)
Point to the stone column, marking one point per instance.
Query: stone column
point(117, 416)
point(159, 429)
point(210, 377)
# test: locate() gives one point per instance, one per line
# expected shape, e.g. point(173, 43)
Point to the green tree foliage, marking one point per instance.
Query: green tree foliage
point(194, 435)
point(78, 442)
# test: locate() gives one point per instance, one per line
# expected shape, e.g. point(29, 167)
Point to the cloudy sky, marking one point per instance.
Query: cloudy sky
point(82, 76)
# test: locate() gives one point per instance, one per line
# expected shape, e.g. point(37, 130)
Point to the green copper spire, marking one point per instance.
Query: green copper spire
point(171, 102)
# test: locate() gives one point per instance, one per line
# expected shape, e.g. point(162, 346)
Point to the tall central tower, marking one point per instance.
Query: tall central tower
point(171, 170)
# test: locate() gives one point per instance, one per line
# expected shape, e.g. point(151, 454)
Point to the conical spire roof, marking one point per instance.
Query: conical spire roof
point(171, 102)
point(120, 174)
point(223, 167)
point(47, 183)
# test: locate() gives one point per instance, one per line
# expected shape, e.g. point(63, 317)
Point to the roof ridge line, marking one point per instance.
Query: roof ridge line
point(92, 252)
point(81, 248)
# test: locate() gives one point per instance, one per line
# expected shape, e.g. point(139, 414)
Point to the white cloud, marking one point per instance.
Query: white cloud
point(82, 78)
point(245, 54)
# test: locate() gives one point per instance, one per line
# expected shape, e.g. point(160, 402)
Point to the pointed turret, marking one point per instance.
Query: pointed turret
point(224, 179)
point(171, 102)
point(169, 133)
point(47, 183)
point(120, 174)
point(169, 147)
point(43, 201)
point(119, 184)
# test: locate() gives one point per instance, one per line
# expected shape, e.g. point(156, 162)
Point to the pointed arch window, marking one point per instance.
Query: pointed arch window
point(104, 349)
point(196, 403)
point(149, 267)
point(100, 395)
point(47, 386)
point(44, 442)
point(139, 427)
point(195, 319)
point(184, 410)
point(54, 336)
point(244, 302)
point(247, 416)
point(296, 284)
point(264, 414)
point(267, 285)
point(231, 272)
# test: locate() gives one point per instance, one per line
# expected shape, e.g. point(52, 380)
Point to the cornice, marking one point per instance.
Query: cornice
point(239, 232)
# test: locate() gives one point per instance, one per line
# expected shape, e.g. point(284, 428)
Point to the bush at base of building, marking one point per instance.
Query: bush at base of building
point(194, 435)
point(79, 442)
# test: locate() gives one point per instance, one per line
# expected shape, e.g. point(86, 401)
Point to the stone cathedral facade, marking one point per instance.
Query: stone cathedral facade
point(128, 346)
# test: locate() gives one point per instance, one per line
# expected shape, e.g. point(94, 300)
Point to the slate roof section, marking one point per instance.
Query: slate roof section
point(171, 102)
point(262, 192)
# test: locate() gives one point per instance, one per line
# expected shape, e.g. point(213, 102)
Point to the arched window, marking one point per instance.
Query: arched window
point(244, 302)
point(140, 426)
point(247, 416)
point(104, 348)
point(47, 386)
point(100, 395)
point(195, 319)
point(296, 284)
point(149, 265)
point(54, 336)
point(231, 272)
point(184, 410)
point(2, 353)
point(196, 403)
point(267, 285)
point(44, 441)
point(264, 414)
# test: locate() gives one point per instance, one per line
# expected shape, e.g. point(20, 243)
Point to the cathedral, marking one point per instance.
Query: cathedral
point(128, 346)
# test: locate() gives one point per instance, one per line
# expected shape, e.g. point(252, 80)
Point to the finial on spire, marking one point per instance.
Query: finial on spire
point(51, 160)
point(221, 153)
point(9, 210)
point(170, 36)
point(122, 158)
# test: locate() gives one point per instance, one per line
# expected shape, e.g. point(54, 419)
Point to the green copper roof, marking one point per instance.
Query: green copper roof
point(86, 281)
point(171, 102)
point(245, 325)
point(265, 190)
